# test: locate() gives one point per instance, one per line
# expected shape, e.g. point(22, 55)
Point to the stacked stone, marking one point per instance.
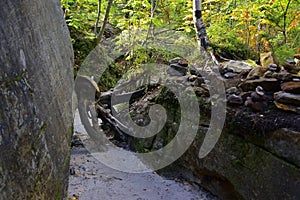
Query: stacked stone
point(257, 87)
point(292, 66)
point(233, 97)
point(193, 81)
point(289, 98)
point(268, 78)
point(178, 67)
point(232, 68)
point(257, 100)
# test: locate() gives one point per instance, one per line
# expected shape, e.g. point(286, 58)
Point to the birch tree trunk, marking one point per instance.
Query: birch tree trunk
point(200, 27)
point(36, 85)
point(203, 40)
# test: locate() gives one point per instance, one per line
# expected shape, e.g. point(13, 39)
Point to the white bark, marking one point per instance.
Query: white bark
point(200, 27)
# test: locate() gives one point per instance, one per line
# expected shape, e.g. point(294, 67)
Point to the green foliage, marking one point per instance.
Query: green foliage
point(226, 42)
point(236, 28)
point(261, 25)
point(80, 16)
point(176, 14)
point(129, 64)
point(283, 52)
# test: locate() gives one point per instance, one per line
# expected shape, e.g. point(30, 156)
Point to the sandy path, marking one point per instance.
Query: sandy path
point(94, 180)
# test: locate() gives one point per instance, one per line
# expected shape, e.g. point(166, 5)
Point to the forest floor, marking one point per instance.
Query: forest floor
point(90, 179)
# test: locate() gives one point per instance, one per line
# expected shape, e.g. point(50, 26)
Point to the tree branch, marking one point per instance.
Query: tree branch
point(104, 21)
point(153, 8)
point(98, 17)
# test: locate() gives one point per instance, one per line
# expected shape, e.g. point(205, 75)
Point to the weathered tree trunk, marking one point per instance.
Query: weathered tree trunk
point(203, 41)
point(36, 84)
point(200, 27)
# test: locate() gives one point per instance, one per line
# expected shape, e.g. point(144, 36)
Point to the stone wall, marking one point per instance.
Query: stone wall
point(256, 157)
point(238, 168)
point(36, 84)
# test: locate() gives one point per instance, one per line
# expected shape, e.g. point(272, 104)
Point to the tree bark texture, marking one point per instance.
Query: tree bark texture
point(36, 85)
point(199, 24)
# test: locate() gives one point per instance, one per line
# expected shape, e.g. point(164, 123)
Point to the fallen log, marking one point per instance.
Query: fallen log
point(106, 97)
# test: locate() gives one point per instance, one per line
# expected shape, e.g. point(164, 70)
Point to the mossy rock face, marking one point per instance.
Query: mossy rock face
point(249, 163)
point(285, 143)
point(254, 158)
point(36, 85)
point(249, 170)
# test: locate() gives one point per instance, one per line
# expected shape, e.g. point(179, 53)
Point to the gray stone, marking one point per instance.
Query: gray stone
point(290, 66)
point(232, 90)
point(274, 68)
point(198, 82)
point(110, 30)
point(234, 99)
point(291, 87)
point(256, 156)
point(176, 69)
point(173, 72)
point(296, 79)
point(229, 75)
point(283, 76)
point(287, 98)
point(239, 169)
point(256, 106)
point(192, 78)
point(286, 144)
point(287, 107)
point(256, 73)
point(194, 71)
point(201, 91)
point(291, 62)
point(268, 74)
point(237, 66)
point(181, 61)
point(36, 85)
point(269, 84)
point(179, 68)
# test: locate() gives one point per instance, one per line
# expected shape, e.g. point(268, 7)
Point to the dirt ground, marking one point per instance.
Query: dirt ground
point(91, 180)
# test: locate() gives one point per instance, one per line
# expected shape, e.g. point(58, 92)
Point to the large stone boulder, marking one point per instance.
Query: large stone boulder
point(36, 85)
point(256, 157)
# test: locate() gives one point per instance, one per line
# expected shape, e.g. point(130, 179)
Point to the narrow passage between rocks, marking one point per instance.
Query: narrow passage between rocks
point(91, 180)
